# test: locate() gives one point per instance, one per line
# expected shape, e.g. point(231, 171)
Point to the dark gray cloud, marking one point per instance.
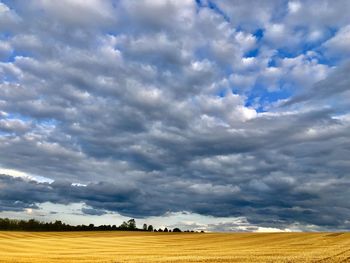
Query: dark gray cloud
point(277, 200)
point(94, 212)
point(170, 106)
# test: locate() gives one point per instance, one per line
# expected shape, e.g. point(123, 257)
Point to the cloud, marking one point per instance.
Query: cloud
point(8, 18)
point(150, 108)
point(339, 44)
point(298, 200)
point(335, 86)
point(94, 212)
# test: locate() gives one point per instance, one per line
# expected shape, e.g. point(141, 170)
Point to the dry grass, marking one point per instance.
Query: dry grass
point(172, 247)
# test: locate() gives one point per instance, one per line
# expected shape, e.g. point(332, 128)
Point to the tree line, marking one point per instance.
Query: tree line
point(35, 225)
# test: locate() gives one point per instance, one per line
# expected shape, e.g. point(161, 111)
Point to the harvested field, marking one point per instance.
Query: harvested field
point(173, 247)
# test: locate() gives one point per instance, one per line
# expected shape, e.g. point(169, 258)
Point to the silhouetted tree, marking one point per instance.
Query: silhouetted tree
point(124, 226)
point(34, 225)
point(131, 224)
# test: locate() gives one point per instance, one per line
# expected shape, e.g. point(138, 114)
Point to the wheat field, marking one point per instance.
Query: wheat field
point(173, 247)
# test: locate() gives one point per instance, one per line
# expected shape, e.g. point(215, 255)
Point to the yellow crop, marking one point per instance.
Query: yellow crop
point(173, 247)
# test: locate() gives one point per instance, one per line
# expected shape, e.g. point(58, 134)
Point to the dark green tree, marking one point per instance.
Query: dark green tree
point(124, 226)
point(131, 224)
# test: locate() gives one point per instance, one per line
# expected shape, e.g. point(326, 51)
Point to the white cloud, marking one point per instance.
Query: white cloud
point(339, 45)
point(5, 49)
point(8, 18)
point(272, 230)
point(294, 6)
point(78, 12)
point(13, 172)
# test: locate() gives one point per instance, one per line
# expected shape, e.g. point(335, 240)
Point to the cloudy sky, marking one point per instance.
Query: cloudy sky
point(218, 115)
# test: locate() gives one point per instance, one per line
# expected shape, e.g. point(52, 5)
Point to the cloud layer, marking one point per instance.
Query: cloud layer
point(220, 108)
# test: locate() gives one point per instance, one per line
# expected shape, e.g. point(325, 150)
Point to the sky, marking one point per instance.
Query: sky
point(212, 115)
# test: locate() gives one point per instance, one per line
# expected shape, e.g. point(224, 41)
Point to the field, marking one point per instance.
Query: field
point(173, 247)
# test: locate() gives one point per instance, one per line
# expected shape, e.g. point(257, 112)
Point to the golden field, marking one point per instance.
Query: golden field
point(173, 247)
